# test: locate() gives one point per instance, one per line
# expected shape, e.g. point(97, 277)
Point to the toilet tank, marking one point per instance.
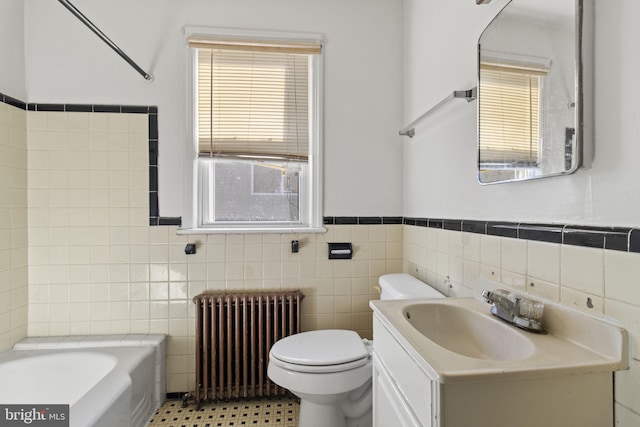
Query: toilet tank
point(405, 286)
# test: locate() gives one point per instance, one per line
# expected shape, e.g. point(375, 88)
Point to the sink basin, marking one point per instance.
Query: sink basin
point(468, 332)
point(459, 340)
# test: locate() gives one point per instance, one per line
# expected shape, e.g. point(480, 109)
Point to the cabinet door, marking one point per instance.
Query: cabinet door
point(411, 381)
point(389, 408)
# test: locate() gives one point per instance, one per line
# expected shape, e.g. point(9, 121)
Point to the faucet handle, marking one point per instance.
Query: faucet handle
point(487, 295)
point(501, 295)
point(531, 309)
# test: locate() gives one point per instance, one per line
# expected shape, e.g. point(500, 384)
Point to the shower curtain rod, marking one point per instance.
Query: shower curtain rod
point(104, 38)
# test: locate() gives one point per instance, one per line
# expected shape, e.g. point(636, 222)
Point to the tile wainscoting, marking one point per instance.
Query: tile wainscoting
point(153, 136)
point(593, 269)
point(13, 225)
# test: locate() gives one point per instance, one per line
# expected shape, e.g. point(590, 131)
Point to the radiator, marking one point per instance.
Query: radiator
point(234, 333)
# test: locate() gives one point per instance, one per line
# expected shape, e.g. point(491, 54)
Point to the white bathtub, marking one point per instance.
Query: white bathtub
point(108, 381)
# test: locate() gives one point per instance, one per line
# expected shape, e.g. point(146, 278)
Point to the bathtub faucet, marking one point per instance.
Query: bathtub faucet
point(521, 312)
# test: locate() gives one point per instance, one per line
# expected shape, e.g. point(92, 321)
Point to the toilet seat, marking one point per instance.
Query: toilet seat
point(319, 369)
point(321, 351)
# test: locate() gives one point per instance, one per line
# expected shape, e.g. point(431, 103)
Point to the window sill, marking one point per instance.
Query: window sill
point(252, 230)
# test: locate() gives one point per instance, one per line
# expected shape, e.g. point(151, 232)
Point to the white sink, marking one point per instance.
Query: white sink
point(468, 332)
point(460, 340)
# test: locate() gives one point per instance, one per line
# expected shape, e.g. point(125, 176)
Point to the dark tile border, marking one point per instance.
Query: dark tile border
point(619, 239)
point(623, 239)
point(634, 240)
point(169, 220)
point(453, 224)
point(361, 220)
point(151, 111)
point(550, 233)
point(95, 108)
point(502, 229)
point(614, 238)
point(13, 101)
point(346, 220)
point(583, 236)
point(78, 108)
point(411, 221)
point(474, 227)
point(48, 107)
point(435, 223)
point(392, 220)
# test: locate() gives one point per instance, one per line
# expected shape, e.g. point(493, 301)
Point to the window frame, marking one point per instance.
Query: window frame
point(313, 187)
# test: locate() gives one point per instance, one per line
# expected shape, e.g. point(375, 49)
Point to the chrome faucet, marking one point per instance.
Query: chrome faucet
point(521, 312)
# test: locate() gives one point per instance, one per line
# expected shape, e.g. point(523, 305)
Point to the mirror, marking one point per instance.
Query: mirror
point(530, 91)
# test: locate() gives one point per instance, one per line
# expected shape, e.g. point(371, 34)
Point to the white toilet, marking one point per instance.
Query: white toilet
point(330, 370)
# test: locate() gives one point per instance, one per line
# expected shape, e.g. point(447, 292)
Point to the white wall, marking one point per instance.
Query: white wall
point(440, 162)
point(12, 48)
point(66, 63)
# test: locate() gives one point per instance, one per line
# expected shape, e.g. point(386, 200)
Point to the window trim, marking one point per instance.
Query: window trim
point(315, 179)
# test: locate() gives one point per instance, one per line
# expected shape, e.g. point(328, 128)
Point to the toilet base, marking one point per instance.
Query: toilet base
point(364, 421)
point(315, 415)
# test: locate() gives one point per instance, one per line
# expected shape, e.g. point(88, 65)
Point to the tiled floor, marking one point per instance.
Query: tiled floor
point(282, 412)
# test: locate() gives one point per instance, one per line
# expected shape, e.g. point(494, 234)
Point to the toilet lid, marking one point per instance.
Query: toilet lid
point(318, 348)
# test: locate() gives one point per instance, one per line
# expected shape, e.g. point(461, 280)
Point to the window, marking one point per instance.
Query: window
point(256, 133)
point(511, 119)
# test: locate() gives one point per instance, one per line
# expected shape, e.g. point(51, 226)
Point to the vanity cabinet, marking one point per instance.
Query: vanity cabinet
point(402, 390)
point(390, 407)
point(408, 392)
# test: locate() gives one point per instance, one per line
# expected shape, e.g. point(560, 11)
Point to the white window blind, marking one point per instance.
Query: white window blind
point(509, 114)
point(253, 98)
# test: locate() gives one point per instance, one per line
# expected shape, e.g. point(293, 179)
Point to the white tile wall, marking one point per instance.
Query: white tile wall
point(622, 277)
point(13, 226)
point(543, 261)
point(593, 280)
point(582, 269)
point(514, 256)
